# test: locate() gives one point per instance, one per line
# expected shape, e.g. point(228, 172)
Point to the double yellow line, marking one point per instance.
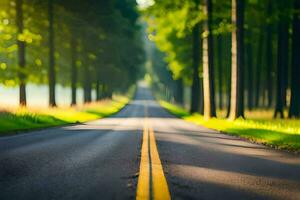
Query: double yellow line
point(152, 184)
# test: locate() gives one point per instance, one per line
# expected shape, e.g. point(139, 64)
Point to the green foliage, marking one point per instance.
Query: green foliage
point(170, 27)
point(107, 36)
point(8, 47)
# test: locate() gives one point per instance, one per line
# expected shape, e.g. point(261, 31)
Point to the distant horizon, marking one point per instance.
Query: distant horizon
point(9, 96)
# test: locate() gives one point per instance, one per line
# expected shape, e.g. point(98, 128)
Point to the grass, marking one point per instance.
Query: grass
point(23, 119)
point(280, 134)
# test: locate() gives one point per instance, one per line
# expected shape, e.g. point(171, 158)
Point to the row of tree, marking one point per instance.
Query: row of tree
point(77, 43)
point(234, 55)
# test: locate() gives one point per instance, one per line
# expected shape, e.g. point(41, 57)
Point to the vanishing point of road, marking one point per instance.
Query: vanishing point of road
point(143, 152)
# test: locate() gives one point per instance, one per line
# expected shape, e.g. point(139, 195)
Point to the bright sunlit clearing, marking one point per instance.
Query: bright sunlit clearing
point(145, 3)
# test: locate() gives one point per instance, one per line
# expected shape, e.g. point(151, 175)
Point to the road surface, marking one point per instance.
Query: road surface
point(146, 151)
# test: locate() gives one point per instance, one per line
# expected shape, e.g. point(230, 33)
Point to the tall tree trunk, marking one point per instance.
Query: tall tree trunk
point(237, 82)
point(73, 70)
point(179, 91)
point(201, 102)
point(294, 110)
point(21, 53)
point(107, 92)
point(228, 75)
point(269, 57)
point(228, 97)
point(250, 70)
point(220, 68)
point(87, 85)
point(98, 92)
point(258, 68)
point(195, 94)
point(51, 73)
point(208, 71)
point(282, 64)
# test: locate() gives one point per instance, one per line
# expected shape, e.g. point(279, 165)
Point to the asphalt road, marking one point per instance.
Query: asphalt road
point(100, 160)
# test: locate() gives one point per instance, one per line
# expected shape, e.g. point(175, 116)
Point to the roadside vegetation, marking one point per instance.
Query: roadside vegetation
point(280, 134)
point(19, 119)
point(22, 119)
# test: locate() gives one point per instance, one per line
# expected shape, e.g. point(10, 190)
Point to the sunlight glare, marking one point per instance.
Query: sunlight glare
point(145, 3)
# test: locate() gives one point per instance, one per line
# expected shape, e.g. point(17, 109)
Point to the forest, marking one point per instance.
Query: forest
point(232, 66)
point(233, 56)
point(94, 45)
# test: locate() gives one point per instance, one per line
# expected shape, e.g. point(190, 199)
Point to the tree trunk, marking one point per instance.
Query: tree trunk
point(179, 91)
point(250, 71)
point(21, 53)
point(258, 68)
point(52, 77)
point(208, 71)
point(107, 93)
point(195, 94)
point(237, 90)
point(269, 57)
point(282, 64)
point(73, 70)
point(201, 102)
point(294, 111)
point(87, 85)
point(279, 90)
point(228, 97)
point(228, 75)
point(220, 73)
point(98, 92)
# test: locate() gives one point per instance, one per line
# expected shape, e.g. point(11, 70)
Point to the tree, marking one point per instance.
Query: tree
point(237, 91)
point(220, 69)
point(112, 40)
point(180, 40)
point(250, 70)
point(282, 59)
point(179, 92)
point(208, 71)
point(21, 52)
point(269, 55)
point(51, 73)
point(74, 70)
point(195, 95)
point(294, 110)
point(259, 67)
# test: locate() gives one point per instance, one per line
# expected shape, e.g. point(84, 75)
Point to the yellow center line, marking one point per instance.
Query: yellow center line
point(152, 183)
point(143, 187)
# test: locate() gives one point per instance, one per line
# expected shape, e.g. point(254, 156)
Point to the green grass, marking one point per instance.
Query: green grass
point(22, 119)
point(281, 134)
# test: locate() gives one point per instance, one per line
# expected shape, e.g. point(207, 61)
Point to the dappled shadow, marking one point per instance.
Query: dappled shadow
point(285, 141)
point(195, 189)
point(231, 172)
point(74, 158)
point(65, 132)
point(239, 146)
point(203, 134)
